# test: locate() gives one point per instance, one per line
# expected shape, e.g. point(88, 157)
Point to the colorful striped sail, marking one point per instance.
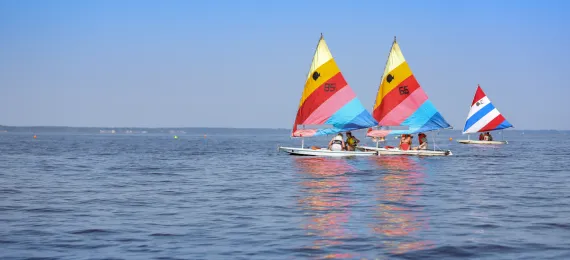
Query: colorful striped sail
point(483, 116)
point(328, 100)
point(402, 102)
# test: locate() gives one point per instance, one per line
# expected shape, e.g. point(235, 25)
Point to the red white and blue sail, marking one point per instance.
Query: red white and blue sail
point(402, 102)
point(483, 115)
point(328, 100)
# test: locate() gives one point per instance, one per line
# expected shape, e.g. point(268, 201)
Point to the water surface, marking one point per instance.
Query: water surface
point(231, 195)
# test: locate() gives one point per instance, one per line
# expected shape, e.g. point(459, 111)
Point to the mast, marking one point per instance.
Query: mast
point(382, 78)
point(302, 142)
point(312, 60)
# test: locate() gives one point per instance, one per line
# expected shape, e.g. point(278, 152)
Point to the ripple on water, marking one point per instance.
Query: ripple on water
point(232, 196)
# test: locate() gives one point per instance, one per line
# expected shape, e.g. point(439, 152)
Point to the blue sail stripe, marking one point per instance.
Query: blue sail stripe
point(348, 112)
point(363, 120)
point(421, 116)
point(434, 123)
point(425, 118)
point(477, 116)
point(503, 125)
point(352, 116)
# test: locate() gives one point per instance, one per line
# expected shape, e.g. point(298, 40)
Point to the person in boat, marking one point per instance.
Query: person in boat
point(481, 137)
point(488, 137)
point(405, 142)
point(336, 143)
point(402, 139)
point(351, 142)
point(422, 138)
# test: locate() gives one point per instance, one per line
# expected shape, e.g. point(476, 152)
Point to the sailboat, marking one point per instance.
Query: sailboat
point(401, 102)
point(483, 117)
point(330, 104)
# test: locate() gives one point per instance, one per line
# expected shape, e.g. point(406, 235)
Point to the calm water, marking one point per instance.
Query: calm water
point(233, 196)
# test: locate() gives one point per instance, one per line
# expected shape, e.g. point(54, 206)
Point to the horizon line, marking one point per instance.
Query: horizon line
point(148, 127)
point(228, 127)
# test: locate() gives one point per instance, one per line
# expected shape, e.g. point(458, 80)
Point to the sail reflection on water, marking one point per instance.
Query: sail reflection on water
point(325, 188)
point(400, 218)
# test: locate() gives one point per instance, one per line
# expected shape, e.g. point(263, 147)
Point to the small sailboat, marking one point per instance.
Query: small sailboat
point(328, 100)
point(483, 117)
point(401, 102)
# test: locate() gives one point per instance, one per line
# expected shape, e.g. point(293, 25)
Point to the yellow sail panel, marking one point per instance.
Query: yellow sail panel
point(322, 73)
point(322, 69)
point(322, 55)
point(328, 100)
point(398, 75)
point(402, 102)
point(396, 71)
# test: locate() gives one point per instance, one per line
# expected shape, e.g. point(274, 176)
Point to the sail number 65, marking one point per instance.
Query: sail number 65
point(330, 87)
point(403, 90)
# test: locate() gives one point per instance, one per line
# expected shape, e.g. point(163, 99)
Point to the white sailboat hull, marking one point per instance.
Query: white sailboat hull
point(324, 152)
point(396, 151)
point(481, 142)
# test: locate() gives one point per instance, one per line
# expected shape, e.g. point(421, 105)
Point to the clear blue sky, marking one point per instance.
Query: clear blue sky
point(244, 63)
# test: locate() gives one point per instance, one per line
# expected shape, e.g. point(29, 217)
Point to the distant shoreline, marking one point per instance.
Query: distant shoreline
point(142, 127)
point(137, 129)
point(132, 130)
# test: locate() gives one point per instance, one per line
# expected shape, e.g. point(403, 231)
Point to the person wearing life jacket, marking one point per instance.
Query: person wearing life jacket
point(336, 143)
point(481, 137)
point(351, 142)
point(488, 137)
point(402, 141)
point(405, 142)
point(422, 138)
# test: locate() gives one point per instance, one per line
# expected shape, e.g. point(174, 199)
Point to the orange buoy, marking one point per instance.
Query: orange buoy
point(34, 136)
point(450, 139)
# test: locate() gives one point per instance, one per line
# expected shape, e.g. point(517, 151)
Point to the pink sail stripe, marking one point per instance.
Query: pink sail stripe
point(378, 133)
point(329, 107)
point(404, 109)
point(305, 132)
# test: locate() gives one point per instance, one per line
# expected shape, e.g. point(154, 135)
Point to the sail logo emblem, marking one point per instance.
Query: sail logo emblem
point(478, 103)
point(389, 78)
point(316, 75)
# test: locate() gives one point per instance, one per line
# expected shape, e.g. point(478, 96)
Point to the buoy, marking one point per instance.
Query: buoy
point(175, 137)
point(450, 139)
point(35, 136)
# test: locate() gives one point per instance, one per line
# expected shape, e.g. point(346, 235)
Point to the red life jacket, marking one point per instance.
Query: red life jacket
point(421, 137)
